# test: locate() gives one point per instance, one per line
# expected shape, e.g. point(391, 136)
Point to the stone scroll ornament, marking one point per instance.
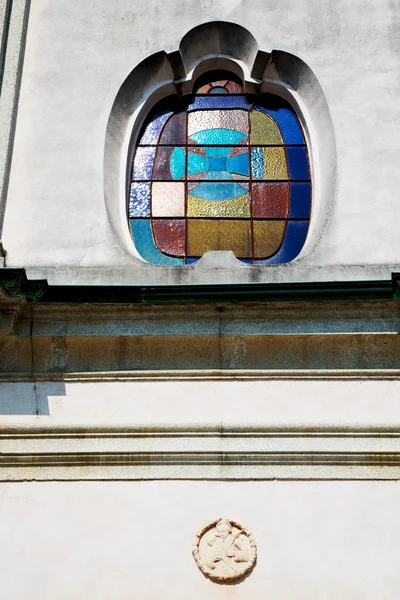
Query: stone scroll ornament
point(225, 551)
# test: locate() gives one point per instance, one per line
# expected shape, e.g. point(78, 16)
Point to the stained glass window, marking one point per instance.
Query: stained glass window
point(220, 170)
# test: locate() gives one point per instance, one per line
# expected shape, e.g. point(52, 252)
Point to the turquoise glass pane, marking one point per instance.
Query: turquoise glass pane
point(144, 243)
point(197, 163)
point(217, 191)
point(177, 163)
point(217, 150)
point(218, 175)
point(217, 136)
point(257, 163)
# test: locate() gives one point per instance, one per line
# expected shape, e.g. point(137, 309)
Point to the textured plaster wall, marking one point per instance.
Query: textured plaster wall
point(79, 53)
point(124, 540)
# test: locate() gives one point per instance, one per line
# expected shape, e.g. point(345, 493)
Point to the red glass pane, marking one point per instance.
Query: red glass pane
point(270, 200)
point(169, 235)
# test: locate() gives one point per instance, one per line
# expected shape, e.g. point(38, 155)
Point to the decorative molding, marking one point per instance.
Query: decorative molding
point(320, 337)
point(13, 23)
point(205, 375)
point(198, 452)
point(229, 47)
point(15, 283)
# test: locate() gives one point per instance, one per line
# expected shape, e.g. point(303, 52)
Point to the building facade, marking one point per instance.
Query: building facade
point(199, 351)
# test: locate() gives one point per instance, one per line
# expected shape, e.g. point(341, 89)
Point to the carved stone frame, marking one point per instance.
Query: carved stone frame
point(227, 46)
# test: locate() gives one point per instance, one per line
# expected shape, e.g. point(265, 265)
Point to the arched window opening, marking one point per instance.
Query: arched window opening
point(220, 170)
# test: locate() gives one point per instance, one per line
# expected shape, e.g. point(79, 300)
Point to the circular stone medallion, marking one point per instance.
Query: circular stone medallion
point(225, 551)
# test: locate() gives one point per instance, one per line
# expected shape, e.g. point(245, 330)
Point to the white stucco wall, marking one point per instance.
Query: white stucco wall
point(118, 539)
point(79, 53)
point(290, 403)
point(125, 540)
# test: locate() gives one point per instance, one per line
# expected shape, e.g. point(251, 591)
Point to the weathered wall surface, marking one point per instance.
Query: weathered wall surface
point(78, 54)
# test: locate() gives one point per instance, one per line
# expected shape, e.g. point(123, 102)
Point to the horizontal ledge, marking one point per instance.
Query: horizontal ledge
point(204, 374)
point(362, 469)
point(203, 473)
point(61, 459)
point(15, 283)
point(220, 430)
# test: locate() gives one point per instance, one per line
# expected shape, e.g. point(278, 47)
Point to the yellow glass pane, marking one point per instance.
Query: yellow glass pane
point(264, 129)
point(275, 164)
point(268, 236)
point(224, 234)
point(231, 209)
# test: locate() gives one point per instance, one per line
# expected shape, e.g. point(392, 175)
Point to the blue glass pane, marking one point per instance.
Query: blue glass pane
point(217, 163)
point(139, 200)
point(288, 124)
point(190, 261)
point(143, 162)
point(248, 261)
point(217, 191)
point(177, 163)
point(153, 129)
point(296, 233)
point(298, 163)
point(218, 136)
point(257, 163)
point(239, 164)
point(300, 200)
point(219, 102)
point(144, 244)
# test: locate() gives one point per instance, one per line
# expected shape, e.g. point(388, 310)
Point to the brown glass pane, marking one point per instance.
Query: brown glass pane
point(204, 89)
point(234, 88)
point(162, 163)
point(219, 83)
point(219, 234)
point(270, 200)
point(169, 235)
point(175, 130)
point(268, 236)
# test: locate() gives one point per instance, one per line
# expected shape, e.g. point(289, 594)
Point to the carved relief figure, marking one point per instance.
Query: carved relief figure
point(225, 551)
point(226, 545)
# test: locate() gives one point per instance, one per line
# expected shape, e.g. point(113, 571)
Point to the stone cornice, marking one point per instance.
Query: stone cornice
point(198, 452)
point(15, 282)
point(206, 375)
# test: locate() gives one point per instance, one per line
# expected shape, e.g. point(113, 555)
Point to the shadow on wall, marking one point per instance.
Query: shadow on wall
point(30, 399)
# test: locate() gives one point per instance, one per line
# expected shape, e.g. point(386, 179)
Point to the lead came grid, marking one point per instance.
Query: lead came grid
point(203, 180)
